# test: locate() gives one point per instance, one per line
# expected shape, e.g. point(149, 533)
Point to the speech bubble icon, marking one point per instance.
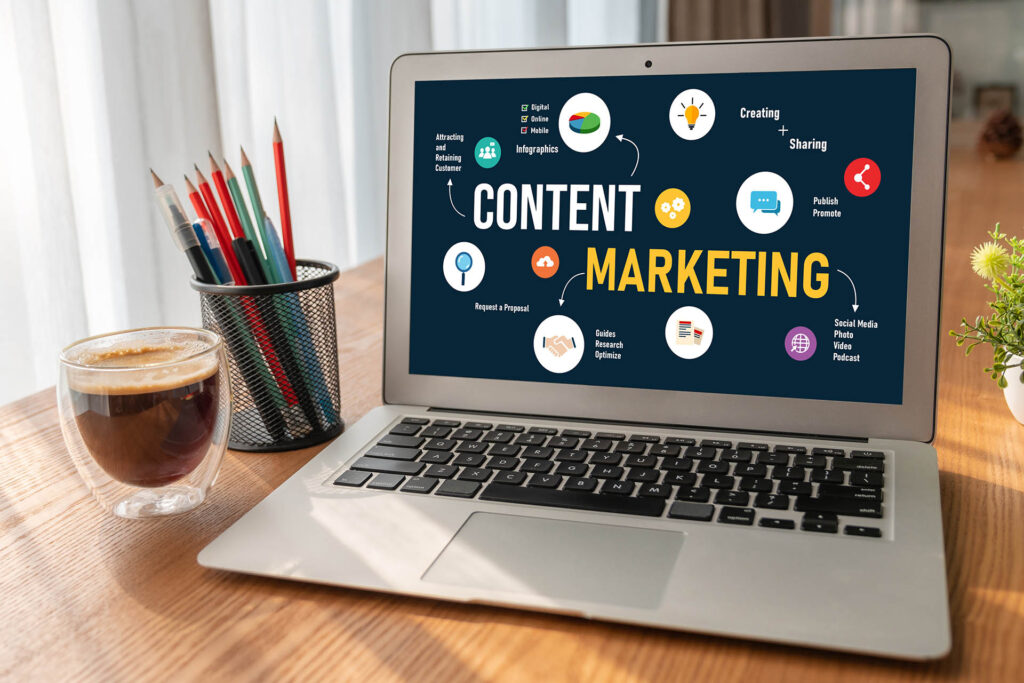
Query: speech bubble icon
point(765, 201)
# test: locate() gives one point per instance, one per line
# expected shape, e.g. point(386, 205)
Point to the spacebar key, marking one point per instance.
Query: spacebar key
point(577, 500)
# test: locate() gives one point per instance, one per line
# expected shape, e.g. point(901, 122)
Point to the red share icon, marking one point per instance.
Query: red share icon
point(862, 177)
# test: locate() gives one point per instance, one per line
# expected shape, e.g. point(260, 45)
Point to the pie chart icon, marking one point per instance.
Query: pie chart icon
point(584, 122)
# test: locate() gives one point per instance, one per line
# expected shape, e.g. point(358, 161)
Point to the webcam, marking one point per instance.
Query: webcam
point(648, 64)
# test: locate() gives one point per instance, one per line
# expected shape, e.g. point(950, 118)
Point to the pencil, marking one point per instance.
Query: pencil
point(218, 228)
point(225, 199)
point(259, 217)
point(282, 199)
point(247, 226)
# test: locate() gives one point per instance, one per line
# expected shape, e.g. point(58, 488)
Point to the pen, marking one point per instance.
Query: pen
point(214, 254)
point(181, 230)
point(212, 214)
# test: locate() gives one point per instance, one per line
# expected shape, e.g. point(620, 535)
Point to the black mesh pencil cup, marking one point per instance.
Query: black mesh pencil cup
point(283, 358)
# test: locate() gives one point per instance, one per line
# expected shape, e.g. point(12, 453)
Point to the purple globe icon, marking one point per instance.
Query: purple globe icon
point(801, 343)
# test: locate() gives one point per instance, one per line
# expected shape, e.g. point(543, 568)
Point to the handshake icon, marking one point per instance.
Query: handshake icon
point(559, 345)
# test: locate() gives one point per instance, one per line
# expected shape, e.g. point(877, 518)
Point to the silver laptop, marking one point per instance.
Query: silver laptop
point(660, 346)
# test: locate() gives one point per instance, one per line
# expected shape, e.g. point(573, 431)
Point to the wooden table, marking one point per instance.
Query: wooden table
point(84, 595)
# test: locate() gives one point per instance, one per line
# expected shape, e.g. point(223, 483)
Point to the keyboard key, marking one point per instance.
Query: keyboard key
point(405, 429)
point(436, 456)
point(631, 447)
point(821, 522)
point(596, 444)
point(860, 492)
point(580, 484)
point(712, 467)
point(735, 455)
point(655, 490)
point(510, 428)
point(441, 444)
point(752, 445)
point(575, 469)
point(795, 488)
point(478, 425)
point(607, 472)
point(698, 512)
point(403, 441)
point(446, 423)
point(637, 460)
point(756, 484)
point(468, 460)
point(386, 482)
point(780, 459)
point(578, 433)
point(467, 434)
point(772, 501)
point(680, 441)
point(441, 471)
point(571, 456)
point(740, 498)
point(459, 488)
point(731, 515)
point(827, 476)
point(611, 436)
point(435, 431)
point(386, 466)
point(867, 455)
point(420, 485)
point(547, 431)
point(834, 452)
point(621, 488)
point(538, 452)
point(858, 465)
point(393, 452)
point(472, 447)
point(750, 471)
point(789, 473)
point(537, 465)
point(502, 462)
point(504, 449)
point(872, 532)
point(776, 523)
point(475, 474)
point(696, 495)
point(809, 461)
point(605, 459)
point(870, 479)
point(531, 439)
point(646, 438)
point(665, 450)
point(700, 452)
point(790, 449)
point(498, 437)
point(716, 443)
point(352, 478)
point(576, 500)
point(839, 506)
point(644, 474)
point(513, 478)
point(416, 421)
point(686, 479)
point(718, 481)
point(564, 442)
point(677, 464)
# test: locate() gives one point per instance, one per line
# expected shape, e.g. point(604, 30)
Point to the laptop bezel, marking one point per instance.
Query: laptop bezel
point(912, 420)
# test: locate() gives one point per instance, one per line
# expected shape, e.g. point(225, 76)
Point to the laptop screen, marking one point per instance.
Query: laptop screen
point(741, 233)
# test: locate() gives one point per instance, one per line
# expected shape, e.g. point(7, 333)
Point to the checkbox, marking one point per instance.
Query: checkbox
point(524, 119)
point(523, 130)
point(526, 107)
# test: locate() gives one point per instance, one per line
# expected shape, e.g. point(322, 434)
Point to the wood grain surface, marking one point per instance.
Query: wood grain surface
point(86, 596)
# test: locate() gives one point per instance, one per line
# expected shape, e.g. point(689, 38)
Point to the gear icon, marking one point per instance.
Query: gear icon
point(678, 204)
point(666, 207)
point(672, 215)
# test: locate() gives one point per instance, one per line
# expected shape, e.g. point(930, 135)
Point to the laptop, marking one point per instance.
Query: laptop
point(660, 346)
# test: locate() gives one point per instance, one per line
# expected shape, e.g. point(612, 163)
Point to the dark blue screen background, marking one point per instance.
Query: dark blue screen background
point(860, 113)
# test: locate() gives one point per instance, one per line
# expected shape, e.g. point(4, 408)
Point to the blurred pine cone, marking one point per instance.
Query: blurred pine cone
point(1002, 136)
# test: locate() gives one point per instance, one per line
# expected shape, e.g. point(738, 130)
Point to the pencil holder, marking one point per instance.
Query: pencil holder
point(282, 347)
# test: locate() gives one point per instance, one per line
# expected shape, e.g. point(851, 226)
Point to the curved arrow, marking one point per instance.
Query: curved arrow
point(561, 300)
point(622, 138)
point(855, 304)
point(451, 200)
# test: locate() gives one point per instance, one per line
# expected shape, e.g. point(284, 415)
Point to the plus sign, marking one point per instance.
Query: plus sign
point(783, 129)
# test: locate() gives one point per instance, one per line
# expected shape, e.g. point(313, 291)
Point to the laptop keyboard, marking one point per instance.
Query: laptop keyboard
point(704, 480)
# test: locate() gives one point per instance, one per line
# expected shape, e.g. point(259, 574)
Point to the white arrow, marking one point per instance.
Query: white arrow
point(451, 200)
point(621, 138)
point(562, 299)
point(855, 304)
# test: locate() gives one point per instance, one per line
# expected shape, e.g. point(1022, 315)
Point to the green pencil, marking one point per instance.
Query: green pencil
point(259, 215)
point(247, 227)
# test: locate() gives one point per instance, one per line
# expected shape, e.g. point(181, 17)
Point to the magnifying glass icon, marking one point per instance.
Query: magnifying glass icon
point(463, 262)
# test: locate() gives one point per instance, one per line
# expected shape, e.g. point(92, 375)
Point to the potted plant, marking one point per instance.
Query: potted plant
point(1000, 261)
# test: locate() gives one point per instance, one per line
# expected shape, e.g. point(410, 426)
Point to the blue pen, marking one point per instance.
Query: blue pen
point(211, 247)
point(275, 252)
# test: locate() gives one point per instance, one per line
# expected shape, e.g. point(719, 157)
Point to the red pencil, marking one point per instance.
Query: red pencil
point(225, 199)
point(218, 228)
point(282, 199)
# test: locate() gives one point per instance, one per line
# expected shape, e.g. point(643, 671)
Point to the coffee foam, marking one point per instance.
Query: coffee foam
point(140, 368)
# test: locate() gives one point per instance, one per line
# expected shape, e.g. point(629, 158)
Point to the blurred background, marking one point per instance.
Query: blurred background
point(97, 91)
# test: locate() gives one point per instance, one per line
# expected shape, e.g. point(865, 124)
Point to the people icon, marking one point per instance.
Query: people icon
point(488, 152)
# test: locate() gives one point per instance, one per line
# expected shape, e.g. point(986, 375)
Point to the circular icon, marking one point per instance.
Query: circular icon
point(689, 333)
point(488, 152)
point(672, 207)
point(862, 177)
point(545, 262)
point(692, 114)
point(764, 202)
point(801, 343)
point(558, 344)
point(463, 266)
point(584, 122)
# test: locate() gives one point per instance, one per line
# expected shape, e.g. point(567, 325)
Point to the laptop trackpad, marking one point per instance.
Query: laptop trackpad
point(602, 563)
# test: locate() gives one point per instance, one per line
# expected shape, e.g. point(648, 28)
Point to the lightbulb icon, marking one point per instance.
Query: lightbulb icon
point(692, 113)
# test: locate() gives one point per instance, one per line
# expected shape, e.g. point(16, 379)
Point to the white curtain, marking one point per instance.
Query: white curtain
point(97, 91)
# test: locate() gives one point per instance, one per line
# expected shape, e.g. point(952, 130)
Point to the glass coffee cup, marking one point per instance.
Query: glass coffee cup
point(145, 415)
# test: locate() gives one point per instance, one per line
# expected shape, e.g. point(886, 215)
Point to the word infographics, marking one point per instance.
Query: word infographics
point(717, 233)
